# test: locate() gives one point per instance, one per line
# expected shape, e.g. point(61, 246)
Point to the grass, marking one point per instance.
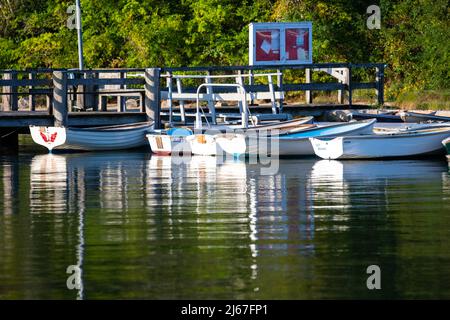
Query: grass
point(424, 100)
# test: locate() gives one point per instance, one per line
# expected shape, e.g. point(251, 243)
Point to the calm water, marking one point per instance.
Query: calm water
point(142, 227)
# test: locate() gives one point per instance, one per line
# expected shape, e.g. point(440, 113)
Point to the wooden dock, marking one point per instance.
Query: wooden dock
point(82, 98)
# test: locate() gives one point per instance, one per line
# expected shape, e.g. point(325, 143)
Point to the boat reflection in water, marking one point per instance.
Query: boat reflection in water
point(141, 226)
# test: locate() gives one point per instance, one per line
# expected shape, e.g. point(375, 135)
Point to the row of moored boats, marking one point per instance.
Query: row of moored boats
point(298, 137)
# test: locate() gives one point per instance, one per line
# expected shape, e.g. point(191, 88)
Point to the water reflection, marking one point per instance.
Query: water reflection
point(142, 226)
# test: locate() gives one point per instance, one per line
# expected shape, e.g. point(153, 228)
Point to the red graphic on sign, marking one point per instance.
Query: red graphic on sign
point(297, 44)
point(268, 45)
point(49, 138)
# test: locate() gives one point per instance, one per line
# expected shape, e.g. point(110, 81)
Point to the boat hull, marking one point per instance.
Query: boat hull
point(446, 143)
point(414, 117)
point(217, 145)
point(298, 144)
point(381, 146)
point(163, 144)
point(95, 139)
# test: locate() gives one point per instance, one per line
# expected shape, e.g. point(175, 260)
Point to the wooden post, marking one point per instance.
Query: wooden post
point(90, 93)
point(80, 96)
point(251, 82)
point(152, 96)
point(170, 100)
point(308, 95)
point(122, 99)
point(239, 80)
point(103, 103)
point(60, 110)
point(32, 97)
point(10, 102)
point(349, 84)
point(380, 84)
point(211, 107)
point(280, 88)
point(341, 93)
point(181, 102)
point(272, 94)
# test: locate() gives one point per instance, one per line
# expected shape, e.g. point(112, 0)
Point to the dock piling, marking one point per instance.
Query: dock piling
point(60, 108)
point(152, 96)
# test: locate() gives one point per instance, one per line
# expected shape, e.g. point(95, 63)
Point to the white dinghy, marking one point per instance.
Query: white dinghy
point(171, 141)
point(217, 145)
point(298, 143)
point(407, 144)
point(91, 139)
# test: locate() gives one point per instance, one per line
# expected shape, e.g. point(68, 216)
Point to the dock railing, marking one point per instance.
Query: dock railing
point(60, 91)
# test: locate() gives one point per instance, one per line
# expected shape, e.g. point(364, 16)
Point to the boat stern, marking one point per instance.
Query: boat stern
point(49, 137)
point(328, 148)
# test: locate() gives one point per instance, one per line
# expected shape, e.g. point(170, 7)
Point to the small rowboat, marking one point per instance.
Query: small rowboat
point(173, 141)
point(446, 143)
point(218, 145)
point(387, 116)
point(422, 117)
point(91, 139)
point(288, 144)
point(407, 144)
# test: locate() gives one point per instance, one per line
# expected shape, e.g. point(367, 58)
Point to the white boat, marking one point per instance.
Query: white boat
point(91, 139)
point(172, 141)
point(298, 144)
point(416, 117)
point(294, 143)
point(217, 145)
point(407, 144)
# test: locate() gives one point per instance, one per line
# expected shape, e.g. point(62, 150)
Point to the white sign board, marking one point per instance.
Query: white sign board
point(280, 43)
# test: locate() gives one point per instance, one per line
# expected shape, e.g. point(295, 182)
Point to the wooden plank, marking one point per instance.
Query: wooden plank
point(221, 96)
point(100, 82)
point(314, 86)
point(24, 82)
point(380, 84)
point(364, 85)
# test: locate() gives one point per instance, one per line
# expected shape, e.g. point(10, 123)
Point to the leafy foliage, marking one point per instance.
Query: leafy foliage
point(413, 39)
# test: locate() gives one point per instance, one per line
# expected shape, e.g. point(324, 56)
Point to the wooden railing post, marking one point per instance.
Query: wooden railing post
point(32, 97)
point(380, 84)
point(90, 94)
point(211, 106)
point(181, 102)
point(60, 108)
point(121, 99)
point(152, 96)
point(308, 95)
point(349, 85)
point(280, 89)
point(10, 101)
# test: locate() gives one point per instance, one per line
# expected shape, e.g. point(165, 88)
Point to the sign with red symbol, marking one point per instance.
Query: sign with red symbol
point(280, 43)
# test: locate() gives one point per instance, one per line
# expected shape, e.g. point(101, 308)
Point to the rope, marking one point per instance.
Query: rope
point(8, 134)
